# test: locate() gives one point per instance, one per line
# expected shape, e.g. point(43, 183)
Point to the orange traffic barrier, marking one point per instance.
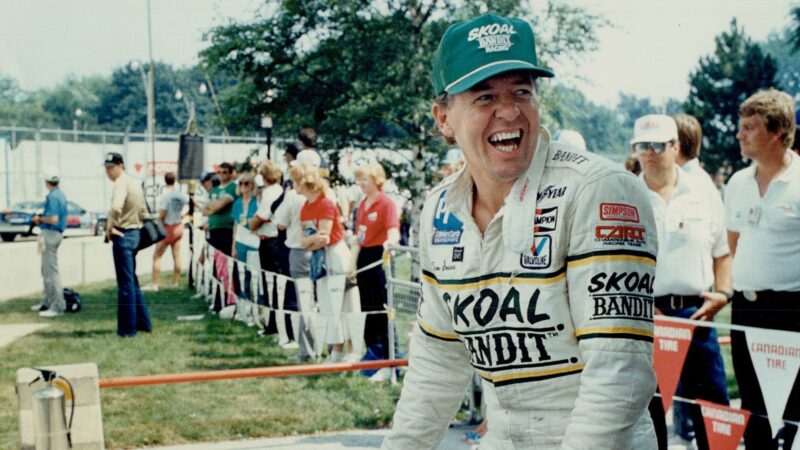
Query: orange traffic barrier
point(256, 372)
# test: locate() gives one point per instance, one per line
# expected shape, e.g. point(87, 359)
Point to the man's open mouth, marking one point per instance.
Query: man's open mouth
point(506, 141)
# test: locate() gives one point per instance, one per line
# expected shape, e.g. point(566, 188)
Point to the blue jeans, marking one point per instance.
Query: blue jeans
point(132, 313)
point(703, 376)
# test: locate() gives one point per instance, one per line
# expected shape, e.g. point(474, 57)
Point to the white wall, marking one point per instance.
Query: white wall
point(81, 260)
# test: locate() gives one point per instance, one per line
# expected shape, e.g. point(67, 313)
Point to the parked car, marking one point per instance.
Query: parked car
point(18, 220)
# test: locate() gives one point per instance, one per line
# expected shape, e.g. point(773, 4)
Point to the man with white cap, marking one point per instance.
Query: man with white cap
point(522, 255)
point(51, 223)
point(693, 273)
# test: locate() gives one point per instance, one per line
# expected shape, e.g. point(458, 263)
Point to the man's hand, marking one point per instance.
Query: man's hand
point(714, 302)
point(37, 220)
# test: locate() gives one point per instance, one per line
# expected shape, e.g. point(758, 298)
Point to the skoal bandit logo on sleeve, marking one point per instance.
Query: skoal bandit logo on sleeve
point(622, 295)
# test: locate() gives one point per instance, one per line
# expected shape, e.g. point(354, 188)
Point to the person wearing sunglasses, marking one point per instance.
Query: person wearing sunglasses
point(693, 269)
point(244, 240)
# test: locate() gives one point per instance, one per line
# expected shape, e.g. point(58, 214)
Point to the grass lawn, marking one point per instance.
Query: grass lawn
point(181, 413)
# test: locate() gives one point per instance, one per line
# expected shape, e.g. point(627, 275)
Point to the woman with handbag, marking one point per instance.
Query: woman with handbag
point(170, 214)
point(323, 234)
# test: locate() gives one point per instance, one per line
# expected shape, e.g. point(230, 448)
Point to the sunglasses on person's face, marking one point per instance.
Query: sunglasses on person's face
point(222, 172)
point(656, 147)
point(245, 183)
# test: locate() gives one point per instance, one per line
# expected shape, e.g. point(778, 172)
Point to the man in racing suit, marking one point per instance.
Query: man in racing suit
point(537, 268)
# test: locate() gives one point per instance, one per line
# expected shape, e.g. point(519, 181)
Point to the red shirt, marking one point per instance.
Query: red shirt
point(373, 224)
point(322, 209)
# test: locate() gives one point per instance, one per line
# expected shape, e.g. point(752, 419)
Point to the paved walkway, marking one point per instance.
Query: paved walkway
point(9, 333)
point(344, 440)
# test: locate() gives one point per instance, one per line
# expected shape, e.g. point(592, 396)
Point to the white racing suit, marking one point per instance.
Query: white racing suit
point(554, 311)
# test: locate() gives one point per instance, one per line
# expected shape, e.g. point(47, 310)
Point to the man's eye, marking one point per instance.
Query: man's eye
point(524, 93)
point(483, 98)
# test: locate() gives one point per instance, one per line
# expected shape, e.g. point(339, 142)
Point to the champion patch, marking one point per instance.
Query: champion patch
point(546, 219)
point(540, 259)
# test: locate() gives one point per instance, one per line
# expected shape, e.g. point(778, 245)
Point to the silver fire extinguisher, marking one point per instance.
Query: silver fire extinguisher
point(51, 427)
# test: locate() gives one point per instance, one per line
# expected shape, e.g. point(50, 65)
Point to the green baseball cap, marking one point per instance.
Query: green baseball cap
point(477, 49)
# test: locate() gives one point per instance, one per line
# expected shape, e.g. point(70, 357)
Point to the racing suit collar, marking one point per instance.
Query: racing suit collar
point(519, 209)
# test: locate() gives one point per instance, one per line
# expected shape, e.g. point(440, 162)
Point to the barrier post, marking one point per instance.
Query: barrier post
point(390, 316)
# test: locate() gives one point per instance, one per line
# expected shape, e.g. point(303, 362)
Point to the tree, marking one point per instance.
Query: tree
point(722, 81)
point(779, 46)
point(358, 71)
point(122, 104)
point(17, 106)
point(794, 37)
point(600, 126)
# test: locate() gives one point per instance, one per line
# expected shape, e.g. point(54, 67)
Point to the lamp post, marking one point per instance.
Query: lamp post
point(266, 124)
point(78, 114)
point(266, 121)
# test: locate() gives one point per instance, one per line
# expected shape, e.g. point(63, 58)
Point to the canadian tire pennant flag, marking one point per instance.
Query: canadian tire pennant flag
point(724, 426)
point(672, 340)
point(776, 358)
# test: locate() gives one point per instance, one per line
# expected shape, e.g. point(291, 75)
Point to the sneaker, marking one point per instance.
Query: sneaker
point(39, 308)
point(175, 286)
point(149, 288)
point(334, 357)
point(50, 313)
point(382, 375)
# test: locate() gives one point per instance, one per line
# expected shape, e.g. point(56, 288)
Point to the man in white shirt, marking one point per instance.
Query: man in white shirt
point(693, 257)
point(762, 207)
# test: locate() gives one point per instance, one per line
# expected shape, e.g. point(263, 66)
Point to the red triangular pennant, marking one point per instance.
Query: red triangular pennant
point(672, 340)
point(724, 426)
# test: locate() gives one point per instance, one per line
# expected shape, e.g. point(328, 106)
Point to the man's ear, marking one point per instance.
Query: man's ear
point(439, 112)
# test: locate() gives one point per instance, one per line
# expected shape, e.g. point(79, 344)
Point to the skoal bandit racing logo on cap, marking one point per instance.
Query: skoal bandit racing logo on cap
point(493, 38)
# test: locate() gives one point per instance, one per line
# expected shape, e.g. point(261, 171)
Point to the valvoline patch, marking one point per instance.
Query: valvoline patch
point(447, 229)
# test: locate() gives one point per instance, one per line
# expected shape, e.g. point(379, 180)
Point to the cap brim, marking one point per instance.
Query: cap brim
point(481, 73)
point(651, 138)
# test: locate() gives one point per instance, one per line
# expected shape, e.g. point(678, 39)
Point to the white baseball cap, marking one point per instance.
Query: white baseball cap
point(51, 174)
point(308, 157)
point(654, 128)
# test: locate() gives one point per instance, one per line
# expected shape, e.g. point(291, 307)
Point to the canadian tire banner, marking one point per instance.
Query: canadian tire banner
point(724, 426)
point(776, 358)
point(672, 340)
